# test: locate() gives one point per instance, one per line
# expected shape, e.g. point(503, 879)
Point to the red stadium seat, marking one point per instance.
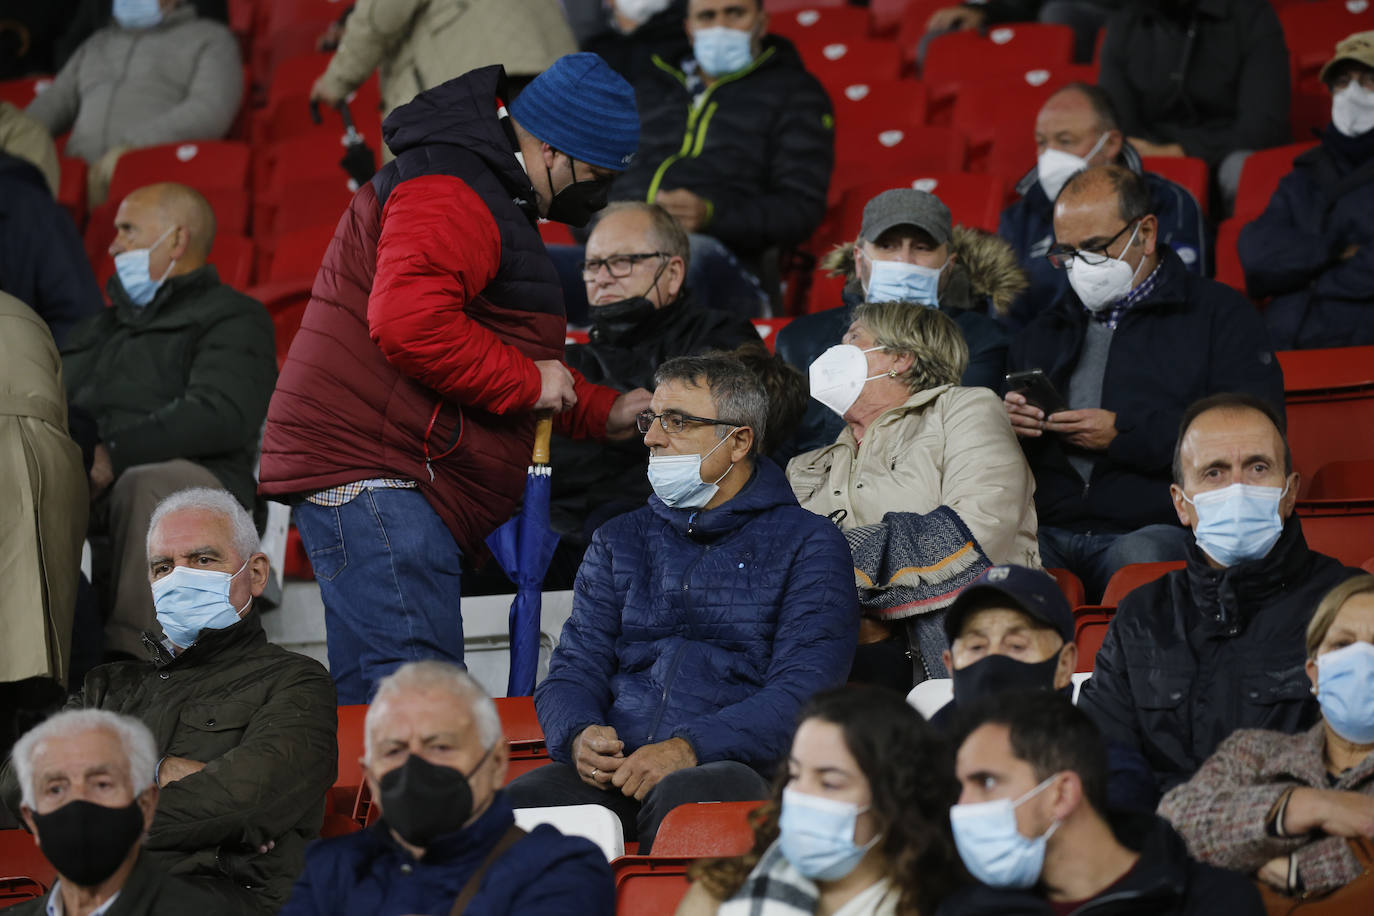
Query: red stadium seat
point(1185, 171)
point(1128, 578)
point(1329, 395)
point(864, 109)
point(1308, 112)
point(302, 205)
point(280, 14)
point(897, 152)
point(958, 58)
point(556, 233)
point(817, 23)
point(201, 164)
point(519, 721)
point(768, 329)
point(295, 256)
point(842, 63)
point(1341, 530)
point(706, 829)
point(71, 189)
point(1342, 480)
point(299, 158)
point(22, 867)
point(285, 302)
point(1368, 566)
point(1070, 585)
point(20, 92)
point(350, 770)
point(973, 200)
point(288, 115)
point(649, 885)
point(998, 117)
point(1229, 269)
point(1260, 177)
point(774, 7)
point(1312, 29)
point(1089, 631)
point(825, 291)
point(911, 28)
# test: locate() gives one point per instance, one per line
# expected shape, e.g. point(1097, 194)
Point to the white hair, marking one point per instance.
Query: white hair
point(140, 750)
point(208, 499)
point(435, 675)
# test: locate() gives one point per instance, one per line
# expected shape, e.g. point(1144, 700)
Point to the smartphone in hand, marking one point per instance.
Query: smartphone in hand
point(1037, 389)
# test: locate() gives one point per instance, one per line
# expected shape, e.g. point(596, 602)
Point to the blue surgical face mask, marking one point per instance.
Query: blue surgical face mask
point(720, 50)
point(898, 281)
point(1238, 523)
point(137, 14)
point(191, 600)
point(1345, 690)
point(676, 479)
point(817, 835)
point(132, 267)
point(993, 850)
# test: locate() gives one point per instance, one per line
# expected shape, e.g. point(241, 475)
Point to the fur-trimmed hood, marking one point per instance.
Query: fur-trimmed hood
point(986, 268)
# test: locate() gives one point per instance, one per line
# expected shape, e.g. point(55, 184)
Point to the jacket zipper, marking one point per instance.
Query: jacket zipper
point(677, 654)
point(695, 136)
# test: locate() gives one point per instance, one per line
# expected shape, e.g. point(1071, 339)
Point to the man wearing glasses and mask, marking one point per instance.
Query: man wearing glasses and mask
point(642, 314)
point(1138, 341)
point(701, 622)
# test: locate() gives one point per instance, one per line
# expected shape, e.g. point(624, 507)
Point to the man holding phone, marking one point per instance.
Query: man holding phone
point(1119, 362)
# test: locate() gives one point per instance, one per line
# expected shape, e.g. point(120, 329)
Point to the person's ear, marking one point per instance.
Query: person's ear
point(259, 567)
point(1068, 664)
point(903, 363)
point(948, 660)
point(147, 804)
point(1149, 234)
point(1311, 669)
point(500, 764)
point(178, 242)
point(1186, 515)
point(26, 815)
point(1065, 795)
point(742, 442)
point(676, 276)
point(1290, 499)
point(1111, 147)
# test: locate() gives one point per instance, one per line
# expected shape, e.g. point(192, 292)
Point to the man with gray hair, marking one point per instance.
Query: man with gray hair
point(701, 622)
point(642, 314)
point(89, 799)
point(435, 760)
point(244, 730)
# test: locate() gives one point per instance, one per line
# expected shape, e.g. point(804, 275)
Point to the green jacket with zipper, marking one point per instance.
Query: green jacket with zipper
point(188, 376)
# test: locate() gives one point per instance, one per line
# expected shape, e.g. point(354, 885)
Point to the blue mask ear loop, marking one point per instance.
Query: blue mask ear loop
point(240, 610)
point(713, 449)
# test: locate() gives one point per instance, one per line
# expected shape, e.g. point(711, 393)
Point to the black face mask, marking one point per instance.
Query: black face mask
point(575, 204)
point(87, 842)
point(996, 673)
point(423, 801)
point(615, 320)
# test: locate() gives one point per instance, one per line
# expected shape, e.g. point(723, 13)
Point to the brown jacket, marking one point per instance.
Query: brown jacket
point(1221, 812)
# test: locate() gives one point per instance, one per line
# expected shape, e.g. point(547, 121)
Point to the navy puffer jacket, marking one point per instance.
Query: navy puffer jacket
point(714, 626)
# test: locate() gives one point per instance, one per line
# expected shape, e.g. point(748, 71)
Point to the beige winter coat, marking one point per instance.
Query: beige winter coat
point(25, 138)
point(43, 501)
point(945, 446)
point(419, 44)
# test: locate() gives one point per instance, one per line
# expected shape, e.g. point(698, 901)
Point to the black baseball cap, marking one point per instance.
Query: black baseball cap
point(1028, 590)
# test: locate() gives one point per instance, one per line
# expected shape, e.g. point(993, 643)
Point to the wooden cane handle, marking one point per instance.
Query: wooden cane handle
point(543, 430)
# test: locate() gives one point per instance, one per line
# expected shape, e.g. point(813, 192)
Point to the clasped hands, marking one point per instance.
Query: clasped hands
point(599, 757)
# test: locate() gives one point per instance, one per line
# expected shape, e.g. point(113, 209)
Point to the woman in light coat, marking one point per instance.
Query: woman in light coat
point(915, 440)
point(1297, 811)
point(44, 498)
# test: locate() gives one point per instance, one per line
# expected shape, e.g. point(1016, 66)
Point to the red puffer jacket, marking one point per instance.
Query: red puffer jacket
point(415, 358)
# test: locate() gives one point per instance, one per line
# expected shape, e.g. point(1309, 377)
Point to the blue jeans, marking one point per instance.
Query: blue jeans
point(1094, 557)
point(388, 570)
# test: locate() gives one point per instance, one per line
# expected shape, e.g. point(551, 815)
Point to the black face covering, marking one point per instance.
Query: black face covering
point(615, 320)
point(996, 673)
point(575, 204)
point(87, 842)
point(423, 801)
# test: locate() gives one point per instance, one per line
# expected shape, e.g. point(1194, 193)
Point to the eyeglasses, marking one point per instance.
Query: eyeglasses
point(674, 423)
point(619, 265)
point(1061, 256)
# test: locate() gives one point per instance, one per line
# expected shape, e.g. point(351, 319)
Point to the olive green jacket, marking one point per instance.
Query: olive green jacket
point(188, 376)
point(263, 721)
point(148, 892)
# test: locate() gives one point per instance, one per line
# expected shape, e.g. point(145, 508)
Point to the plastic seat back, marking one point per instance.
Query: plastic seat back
point(841, 63)
point(931, 695)
point(1345, 532)
point(706, 829)
point(1187, 172)
point(1072, 586)
point(1089, 632)
point(820, 23)
point(1343, 480)
point(1311, 31)
point(20, 92)
point(955, 58)
point(973, 200)
point(891, 154)
point(872, 107)
point(1128, 578)
point(593, 822)
point(649, 885)
point(23, 868)
point(998, 115)
point(201, 164)
point(1329, 396)
point(1260, 176)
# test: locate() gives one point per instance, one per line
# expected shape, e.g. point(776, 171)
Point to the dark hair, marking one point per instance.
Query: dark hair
point(786, 389)
point(1230, 400)
point(1047, 731)
point(1098, 99)
point(910, 773)
point(1132, 194)
point(737, 393)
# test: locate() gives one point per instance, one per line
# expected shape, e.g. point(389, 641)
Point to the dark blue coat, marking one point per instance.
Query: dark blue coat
point(1028, 225)
point(1293, 252)
point(712, 626)
point(1190, 337)
point(42, 262)
point(369, 874)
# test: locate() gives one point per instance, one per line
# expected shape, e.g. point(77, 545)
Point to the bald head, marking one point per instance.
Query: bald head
point(175, 222)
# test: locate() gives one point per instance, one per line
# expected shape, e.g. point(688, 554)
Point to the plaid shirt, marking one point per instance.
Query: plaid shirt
point(1110, 317)
point(337, 496)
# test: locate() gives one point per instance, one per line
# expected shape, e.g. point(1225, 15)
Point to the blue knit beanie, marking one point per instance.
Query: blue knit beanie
point(580, 106)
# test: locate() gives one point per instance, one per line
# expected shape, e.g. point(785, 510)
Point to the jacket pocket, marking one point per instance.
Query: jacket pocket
point(211, 729)
point(1270, 684)
point(1157, 690)
point(328, 557)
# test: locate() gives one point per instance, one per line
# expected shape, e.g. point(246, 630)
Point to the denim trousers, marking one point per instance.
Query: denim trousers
point(1095, 557)
point(557, 784)
point(388, 570)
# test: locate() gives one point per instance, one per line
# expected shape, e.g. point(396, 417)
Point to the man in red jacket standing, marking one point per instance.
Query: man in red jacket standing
point(403, 418)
